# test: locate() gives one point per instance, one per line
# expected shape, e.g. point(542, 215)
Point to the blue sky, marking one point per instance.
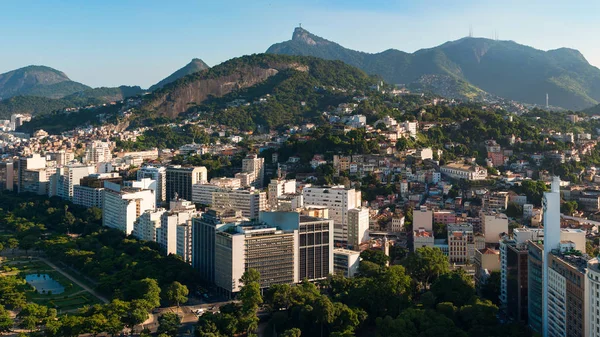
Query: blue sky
point(135, 42)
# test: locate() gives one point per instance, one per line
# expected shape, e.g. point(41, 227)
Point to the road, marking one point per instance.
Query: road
point(90, 290)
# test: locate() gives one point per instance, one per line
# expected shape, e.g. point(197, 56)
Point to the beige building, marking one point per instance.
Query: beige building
point(486, 261)
point(493, 225)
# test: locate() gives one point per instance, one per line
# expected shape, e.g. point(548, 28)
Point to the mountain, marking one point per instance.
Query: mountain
point(194, 66)
point(38, 81)
point(292, 88)
point(470, 67)
point(37, 105)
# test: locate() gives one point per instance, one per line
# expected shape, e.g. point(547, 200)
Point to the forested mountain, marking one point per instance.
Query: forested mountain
point(292, 88)
point(36, 105)
point(194, 66)
point(470, 67)
point(38, 81)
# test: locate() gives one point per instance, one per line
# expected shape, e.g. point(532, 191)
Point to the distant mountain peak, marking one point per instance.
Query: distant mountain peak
point(194, 66)
point(304, 36)
point(36, 80)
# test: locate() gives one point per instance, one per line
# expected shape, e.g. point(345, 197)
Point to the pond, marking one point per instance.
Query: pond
point(43, 283)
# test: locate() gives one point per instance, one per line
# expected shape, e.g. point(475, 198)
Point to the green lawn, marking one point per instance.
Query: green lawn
point(72, 298)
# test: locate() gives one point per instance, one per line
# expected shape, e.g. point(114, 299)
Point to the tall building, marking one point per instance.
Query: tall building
point(202, 193)
point(35, 162)
point(486, 261)
point(358, 227)
point(7, 175)
point(494, 226)
point(147, 225)
point(279, 187)
point(170, 237)
point(256, 166)
point(535, 286)
point(67, 177)
point(97, 152)
point(203, 238)
point(90, 191)
point(496, 201)
point(462, 243)
point(551, 206)
point(123, 206)
point(158, 174)
point(346, 262)
point(180, 180)
point(593, 286)
point(339, 200)
point(423, 219)
point(250, 202)
point(314, 248)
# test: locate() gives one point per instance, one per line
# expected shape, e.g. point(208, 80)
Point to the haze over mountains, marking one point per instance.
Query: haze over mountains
point(470, 67)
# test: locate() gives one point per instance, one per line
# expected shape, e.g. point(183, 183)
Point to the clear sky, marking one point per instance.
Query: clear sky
point(139, 42)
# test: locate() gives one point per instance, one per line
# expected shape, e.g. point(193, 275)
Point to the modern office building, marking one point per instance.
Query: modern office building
point(339, 200)
point(345, 262)
point(203, 238)
point(123, 206)
point(250, 202)
point(180, 181)
point(158, 174)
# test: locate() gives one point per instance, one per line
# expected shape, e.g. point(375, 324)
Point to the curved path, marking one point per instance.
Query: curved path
point(88, 289)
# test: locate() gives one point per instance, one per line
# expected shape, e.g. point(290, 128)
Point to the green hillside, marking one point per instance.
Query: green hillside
point(502, 68)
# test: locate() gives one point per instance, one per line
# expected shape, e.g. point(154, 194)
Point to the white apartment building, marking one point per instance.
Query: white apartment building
point(279, 187)
point(358, 227)
point(88, 196)
point(33, 163)
point(345, 262)
point(146, 226)
point(464, 171)
point(256, 166)
point(226, 182)
point(169, 237)
point(593, 285)
point(123, 205)
point(202, 193)
point(67, 177)
point(158, 174)
point(97, 152)
point(339, 200)
point(250, 202)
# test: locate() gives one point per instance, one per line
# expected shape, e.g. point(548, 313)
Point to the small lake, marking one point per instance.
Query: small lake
point(43, 283)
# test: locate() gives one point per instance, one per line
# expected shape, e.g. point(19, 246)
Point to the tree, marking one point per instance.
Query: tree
point(569, 207)
point(168, 324)
point(177, 293)
point(490, 290)
point(514, 210)
point(376, 256)
point(148, 290)
point(455, 287)
point(136, 315)
point(293, 332)
point(426, 264)
point(251, 299)
point(6, 323)
point(13, 244)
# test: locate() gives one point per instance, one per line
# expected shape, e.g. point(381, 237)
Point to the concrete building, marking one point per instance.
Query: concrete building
point(493, 226)
point(180, 180)
point(250, 202)
point(464, 171)
point(398, 223)
point(486, 261)
point(279, 187)
point(90, 191)
point(339, 200)
point(462, 243)
point(444, 216)
point(202, 193)
point(97, 152)
point(171, 238)
point(203, 238)
point(423, 219)
point(255, 166)
point(158, 174)
point(593, 302)
point(123, 205)
point(496, 201)
point(423, 238)
point(146, 226)
point(225, 182)
point(513, 276)
point(35, 162)
point(345, 262)
point(358, 227)
point(7, 175)
point(68, 176)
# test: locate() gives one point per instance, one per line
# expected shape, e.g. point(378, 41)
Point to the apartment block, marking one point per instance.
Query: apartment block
point(250, 202)
point(123, 205)
point(180, 181)
point(159, 175)
point(345, 262)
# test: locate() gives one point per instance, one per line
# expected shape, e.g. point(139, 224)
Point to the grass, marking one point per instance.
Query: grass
point(73, 297)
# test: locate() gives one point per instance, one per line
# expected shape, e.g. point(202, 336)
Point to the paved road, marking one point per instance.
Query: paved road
point(90, 290)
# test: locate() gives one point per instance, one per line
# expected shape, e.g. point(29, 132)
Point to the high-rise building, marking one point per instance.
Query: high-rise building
point(358, 227)
point(535, 286)
point(593, 287)
point(66, 177)
point(250, 202)
point(256, 166)
point(339, 200)
point(279, 187)
point(345, 262)
point(202, 193)
point(203, 238)
point(180, 180)
point(146, 226)
point(35, 162)
point(158, 174)
point(169, 236)
point(90, 191)
point(123, 206)
point(97, 152)
point(7, 175)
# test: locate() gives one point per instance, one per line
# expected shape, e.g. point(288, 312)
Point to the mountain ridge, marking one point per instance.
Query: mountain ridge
point(194, 66)
point(38, 81)
point(501, 68)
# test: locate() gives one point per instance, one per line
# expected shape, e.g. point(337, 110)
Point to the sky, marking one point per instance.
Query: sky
point(135, 42)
